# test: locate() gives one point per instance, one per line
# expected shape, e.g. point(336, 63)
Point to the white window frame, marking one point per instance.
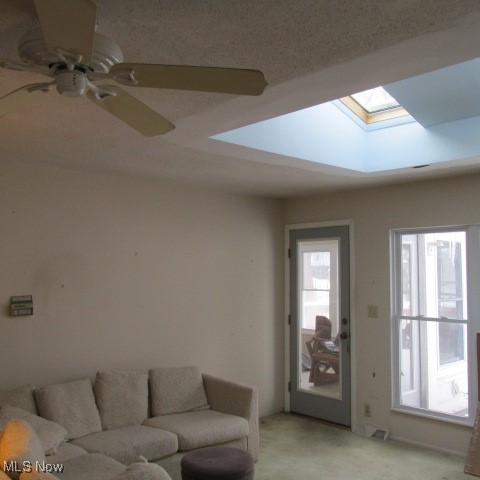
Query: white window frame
point(473, 318)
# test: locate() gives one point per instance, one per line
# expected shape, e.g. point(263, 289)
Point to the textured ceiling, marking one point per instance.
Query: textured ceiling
point(310, 52)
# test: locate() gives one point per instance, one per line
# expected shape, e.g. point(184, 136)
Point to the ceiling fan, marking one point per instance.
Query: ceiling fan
point(68, 49)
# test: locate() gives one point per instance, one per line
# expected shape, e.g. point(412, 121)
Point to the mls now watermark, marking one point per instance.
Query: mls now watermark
point(26, 466)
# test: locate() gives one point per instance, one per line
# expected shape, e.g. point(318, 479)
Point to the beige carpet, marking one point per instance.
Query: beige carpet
point(298, 448)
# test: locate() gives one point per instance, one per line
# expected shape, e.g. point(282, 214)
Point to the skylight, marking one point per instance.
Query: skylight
point(375, 105)
point(375, 100)
point(332, 135)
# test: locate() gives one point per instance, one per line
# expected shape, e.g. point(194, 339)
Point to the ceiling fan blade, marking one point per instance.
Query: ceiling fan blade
point(68, 25)
point(23, 67)
point(203, 79)
point(132, 111)
point(20, 97)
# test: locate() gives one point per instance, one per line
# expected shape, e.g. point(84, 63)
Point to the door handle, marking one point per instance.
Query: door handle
point(344, 335)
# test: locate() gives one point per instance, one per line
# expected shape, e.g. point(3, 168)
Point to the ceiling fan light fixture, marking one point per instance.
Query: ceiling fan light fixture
point(71, 83)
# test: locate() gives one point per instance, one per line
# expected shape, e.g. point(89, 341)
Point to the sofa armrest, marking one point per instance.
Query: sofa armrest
point(235, 399)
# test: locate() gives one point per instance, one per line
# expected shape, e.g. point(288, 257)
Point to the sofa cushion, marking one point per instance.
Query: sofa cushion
point(72, 405)
point(176, 390)
point(92, 466)
point(51, 434)
point(21, 397)
point(20, 446)
point(122, 398)
point(66, 451)
point(142, 470)
point(201, 428)
point(127, 443)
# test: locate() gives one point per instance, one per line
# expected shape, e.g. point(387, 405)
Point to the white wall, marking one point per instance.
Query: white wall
point(133, 273)
point(453, 201)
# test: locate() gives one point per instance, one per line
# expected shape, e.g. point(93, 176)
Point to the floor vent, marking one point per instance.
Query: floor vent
point(381, 434)
point(372, 432)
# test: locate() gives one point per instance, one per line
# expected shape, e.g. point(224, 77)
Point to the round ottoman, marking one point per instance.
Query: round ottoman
point(217, 463)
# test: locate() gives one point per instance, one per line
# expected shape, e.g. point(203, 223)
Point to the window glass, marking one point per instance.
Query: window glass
point(433, 275)
point(425, 382)
point(316, 287)
point(375, 100)
point(319, 274)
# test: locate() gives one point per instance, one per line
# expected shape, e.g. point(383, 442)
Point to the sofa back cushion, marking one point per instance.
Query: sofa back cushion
point(176, 390)
point(122, 398)
point(20, 397)
point(51, 434)
point(19, 447)
point(72, 405)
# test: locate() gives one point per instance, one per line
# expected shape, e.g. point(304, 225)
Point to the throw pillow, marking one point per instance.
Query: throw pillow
point(51, 434)
point(20, 447)
point(72, 405)
point(176, 390)
point(142, 470)
point(21, 397)
point(122, 398)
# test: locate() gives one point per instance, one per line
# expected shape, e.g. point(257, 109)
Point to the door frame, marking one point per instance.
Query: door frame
point(335, 223)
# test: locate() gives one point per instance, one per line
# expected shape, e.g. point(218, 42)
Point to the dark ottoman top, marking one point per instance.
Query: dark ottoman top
point(217, 463)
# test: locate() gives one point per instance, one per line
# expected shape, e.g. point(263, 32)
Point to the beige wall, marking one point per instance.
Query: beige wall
point(374, 211)
point(131, 273)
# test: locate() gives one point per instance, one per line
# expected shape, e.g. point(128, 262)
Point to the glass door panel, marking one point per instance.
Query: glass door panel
point(319, 350)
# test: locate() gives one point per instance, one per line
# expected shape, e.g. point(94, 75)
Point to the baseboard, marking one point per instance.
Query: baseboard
point(428, 446)
point(369, 431)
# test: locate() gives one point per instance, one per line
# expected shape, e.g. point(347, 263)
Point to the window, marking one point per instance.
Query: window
point(319, 274)
point(375, 105)
point(434, 315)
point(375, 100)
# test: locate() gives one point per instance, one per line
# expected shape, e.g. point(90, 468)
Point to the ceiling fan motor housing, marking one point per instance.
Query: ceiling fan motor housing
point(71, 83)
point(33, 51)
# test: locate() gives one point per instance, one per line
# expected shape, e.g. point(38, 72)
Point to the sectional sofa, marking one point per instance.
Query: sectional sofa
point(95, 430)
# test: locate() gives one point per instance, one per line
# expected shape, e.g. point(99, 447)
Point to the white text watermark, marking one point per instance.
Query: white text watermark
point(27, 466)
